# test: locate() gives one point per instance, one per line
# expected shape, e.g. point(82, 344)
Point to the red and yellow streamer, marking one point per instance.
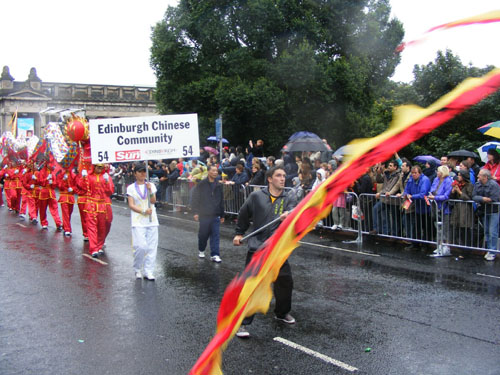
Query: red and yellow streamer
point(488, 17)
point(250, 292)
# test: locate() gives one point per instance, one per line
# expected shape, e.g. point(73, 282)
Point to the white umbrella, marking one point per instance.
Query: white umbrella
point(483, 150)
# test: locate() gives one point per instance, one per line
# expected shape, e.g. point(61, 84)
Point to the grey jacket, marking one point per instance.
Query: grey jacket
point(491, 190)
point(261, 210)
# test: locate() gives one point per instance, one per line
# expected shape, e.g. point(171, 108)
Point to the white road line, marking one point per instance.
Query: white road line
point(339, 248)
point(21, 225)
point(485, 275)
point(315, 354)
point(95, 259)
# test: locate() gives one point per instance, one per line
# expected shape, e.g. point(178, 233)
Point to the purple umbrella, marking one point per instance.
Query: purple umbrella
point(426, 158)
point(211, 150)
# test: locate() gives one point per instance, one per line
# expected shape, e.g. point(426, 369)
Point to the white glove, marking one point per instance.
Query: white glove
point(50, 182)
point(6, 175)
point(70, 190)
point(16, 171)
point(106, 177)
point(5, 167)
point(24, 171)
point(65, 177)
point(33, 177)
point(32, 186)
point(84, 173)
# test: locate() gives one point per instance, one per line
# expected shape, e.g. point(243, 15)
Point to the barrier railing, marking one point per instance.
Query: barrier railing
point(466, 225)
point(454, 223)
point(448, 223)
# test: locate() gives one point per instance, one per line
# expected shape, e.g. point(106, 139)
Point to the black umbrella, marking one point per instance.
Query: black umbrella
point(305, 144)
point(463, 154)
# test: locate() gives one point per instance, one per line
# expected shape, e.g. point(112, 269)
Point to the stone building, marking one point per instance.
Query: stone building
point(33, 96)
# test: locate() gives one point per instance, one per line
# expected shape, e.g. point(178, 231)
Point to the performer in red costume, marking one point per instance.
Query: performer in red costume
point(2, 177)
point(66, 182)
point(13, 187)
point(29, 203)
point(98, 186)
point(46, 180)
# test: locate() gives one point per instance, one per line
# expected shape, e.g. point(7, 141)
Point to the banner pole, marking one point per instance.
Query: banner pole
point(147, 181)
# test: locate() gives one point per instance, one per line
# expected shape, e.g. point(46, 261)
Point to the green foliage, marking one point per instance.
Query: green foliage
point(273, 67)
point(431, 82)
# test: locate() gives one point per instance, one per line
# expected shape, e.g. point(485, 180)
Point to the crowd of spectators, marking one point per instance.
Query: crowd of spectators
point(397, 193)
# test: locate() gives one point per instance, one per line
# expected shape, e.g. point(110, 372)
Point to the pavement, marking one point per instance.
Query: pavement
point(370, 309)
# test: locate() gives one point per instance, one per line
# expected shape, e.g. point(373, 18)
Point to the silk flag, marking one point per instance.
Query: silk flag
point(250, 292)
point(13, 124)
point(489, 17)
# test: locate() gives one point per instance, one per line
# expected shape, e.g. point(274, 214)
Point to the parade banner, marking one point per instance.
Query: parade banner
point(144, 138)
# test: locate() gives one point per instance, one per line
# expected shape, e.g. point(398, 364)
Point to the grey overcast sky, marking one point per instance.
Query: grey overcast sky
point(108, 41)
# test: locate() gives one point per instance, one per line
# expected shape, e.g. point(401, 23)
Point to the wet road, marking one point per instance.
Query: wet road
point(62, 313)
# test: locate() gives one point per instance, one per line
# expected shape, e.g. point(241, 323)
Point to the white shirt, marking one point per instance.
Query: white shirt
point(138, 219)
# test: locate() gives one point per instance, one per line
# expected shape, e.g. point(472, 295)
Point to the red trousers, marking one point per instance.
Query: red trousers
point(29, 203)
point(53, 208)
point(96, 230)
point(13, 198)
point(109, 218)
point(83, 219)
point(66, 210)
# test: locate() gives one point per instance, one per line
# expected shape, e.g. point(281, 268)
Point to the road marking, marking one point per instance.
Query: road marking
point(339, 248)
point(315, 354)
point(485, 275)
point(95, 259)
point(21, 225)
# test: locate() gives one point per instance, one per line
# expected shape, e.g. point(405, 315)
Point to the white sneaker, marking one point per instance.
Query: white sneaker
point(201, 254)
point(489, 256)
point(67, 234)
point(243, 333)
point(138, 275)
point(44, 227)
point(339, 227)
point(149, 276)
point(216, 259)
point(335, 227)
point(442, 252)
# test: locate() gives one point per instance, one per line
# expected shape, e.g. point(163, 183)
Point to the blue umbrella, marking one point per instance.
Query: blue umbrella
point(302, 134)
point(426, 158)
point(213, 138)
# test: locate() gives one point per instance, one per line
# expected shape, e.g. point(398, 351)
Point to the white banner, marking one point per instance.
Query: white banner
point(144, 138)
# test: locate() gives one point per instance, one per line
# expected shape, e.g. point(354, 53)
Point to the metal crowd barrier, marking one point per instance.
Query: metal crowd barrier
point(449, 223)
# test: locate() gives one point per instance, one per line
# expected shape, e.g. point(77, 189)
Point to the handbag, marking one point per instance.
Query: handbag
point(357, 214)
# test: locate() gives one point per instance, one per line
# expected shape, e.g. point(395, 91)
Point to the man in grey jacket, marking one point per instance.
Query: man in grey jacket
point(262, 207)
point(387, 206)
point(486, 193)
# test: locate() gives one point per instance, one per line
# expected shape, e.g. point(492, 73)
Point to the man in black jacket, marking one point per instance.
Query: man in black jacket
point(208, 209)
point(262, 207)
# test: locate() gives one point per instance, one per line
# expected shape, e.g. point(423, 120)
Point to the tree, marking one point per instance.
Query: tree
point(272, 67)
point(436, 79)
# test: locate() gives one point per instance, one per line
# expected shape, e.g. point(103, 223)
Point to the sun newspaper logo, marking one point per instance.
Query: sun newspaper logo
point(128, 155)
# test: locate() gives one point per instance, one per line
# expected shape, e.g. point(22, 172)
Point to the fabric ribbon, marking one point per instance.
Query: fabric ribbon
point(250, 292)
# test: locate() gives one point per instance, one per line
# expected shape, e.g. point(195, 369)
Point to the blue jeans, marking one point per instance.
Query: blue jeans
point(491, 230)
point(379, 212)
point(209, 227)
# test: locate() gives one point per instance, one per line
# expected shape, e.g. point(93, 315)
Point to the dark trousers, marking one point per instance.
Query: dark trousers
point(283, 286)
point(209, 227)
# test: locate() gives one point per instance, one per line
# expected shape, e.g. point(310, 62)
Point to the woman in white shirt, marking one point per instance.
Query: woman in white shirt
point(144, 223)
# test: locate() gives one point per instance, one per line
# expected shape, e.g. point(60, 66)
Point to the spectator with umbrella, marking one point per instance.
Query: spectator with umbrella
point(493, 164)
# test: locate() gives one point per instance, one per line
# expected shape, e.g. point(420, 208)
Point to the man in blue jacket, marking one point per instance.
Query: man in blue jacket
point(208, 209)
point(419, 223)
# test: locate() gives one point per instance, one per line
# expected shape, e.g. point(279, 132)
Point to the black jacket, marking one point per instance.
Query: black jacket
point(208, 200)
point(259, 209)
